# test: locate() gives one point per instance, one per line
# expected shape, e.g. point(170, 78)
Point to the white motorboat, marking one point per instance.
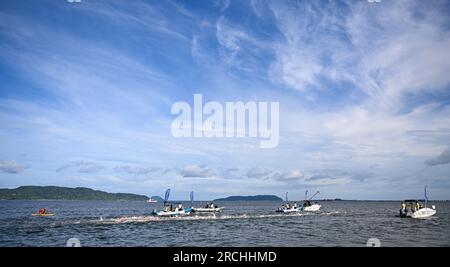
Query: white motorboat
point(151, 200)
point(210, 207)
point(418, 214)
point(170, 210)
point(307, 206)
point(170, 213)
point(288, 208)
point(416, 210)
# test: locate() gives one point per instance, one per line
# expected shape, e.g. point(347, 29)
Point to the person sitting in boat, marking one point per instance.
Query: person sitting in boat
point(180, 207)
point(295, 205)
point(307, 203)
point(417, 205)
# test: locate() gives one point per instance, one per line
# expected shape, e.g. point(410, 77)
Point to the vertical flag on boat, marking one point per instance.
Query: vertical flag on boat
point(167, 195)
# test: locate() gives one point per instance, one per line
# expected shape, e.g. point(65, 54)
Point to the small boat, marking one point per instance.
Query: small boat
point(307, 206)
point(169, 209)
point(210, 207)
point(151, 200)
point(288, 208)
point(170, 213)
point(416, 210)
point(43, 214)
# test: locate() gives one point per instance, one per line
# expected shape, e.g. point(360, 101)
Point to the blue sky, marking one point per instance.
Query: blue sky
point(364, 90)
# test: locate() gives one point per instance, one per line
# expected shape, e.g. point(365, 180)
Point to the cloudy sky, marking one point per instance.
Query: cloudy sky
point(86, 91)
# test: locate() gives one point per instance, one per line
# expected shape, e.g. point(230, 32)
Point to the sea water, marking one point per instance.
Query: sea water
point(255, 223)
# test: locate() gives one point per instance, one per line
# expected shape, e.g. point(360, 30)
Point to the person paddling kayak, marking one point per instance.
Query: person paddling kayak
point(42, 211)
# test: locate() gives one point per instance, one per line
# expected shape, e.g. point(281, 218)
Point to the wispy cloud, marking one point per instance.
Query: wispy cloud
point(196, 171)
point(136, 169)
point(82, 167)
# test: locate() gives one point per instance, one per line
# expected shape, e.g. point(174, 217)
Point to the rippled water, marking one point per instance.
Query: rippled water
point(340, 223)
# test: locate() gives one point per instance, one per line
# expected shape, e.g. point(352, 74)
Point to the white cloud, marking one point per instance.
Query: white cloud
point(387, 51)
point(11, 166)
point(136, 169)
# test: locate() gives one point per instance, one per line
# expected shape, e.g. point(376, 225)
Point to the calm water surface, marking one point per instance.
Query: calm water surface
point(339, 223)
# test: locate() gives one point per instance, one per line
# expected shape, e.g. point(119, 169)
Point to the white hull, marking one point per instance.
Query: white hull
point(314, 207)
point(423, 213)
point(208, 209)
point(289, 210)
point(152, 201)
point(173, 213)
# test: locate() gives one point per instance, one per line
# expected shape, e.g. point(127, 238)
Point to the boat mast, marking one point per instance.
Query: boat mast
point(426, 197)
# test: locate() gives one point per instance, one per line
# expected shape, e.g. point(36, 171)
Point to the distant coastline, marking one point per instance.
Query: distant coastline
point(64, 193)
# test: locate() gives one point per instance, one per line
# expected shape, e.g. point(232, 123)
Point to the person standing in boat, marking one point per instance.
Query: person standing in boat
point(411, 206)
point(404, 206)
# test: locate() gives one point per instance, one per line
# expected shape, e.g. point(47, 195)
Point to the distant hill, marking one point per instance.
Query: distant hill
point(64, 193)
point(160, 199)
point(251, 198)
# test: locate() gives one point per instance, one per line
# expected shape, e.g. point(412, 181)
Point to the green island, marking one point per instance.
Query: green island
point(64, 193)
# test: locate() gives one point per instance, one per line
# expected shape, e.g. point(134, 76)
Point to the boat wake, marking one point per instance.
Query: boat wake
point(146, 219)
